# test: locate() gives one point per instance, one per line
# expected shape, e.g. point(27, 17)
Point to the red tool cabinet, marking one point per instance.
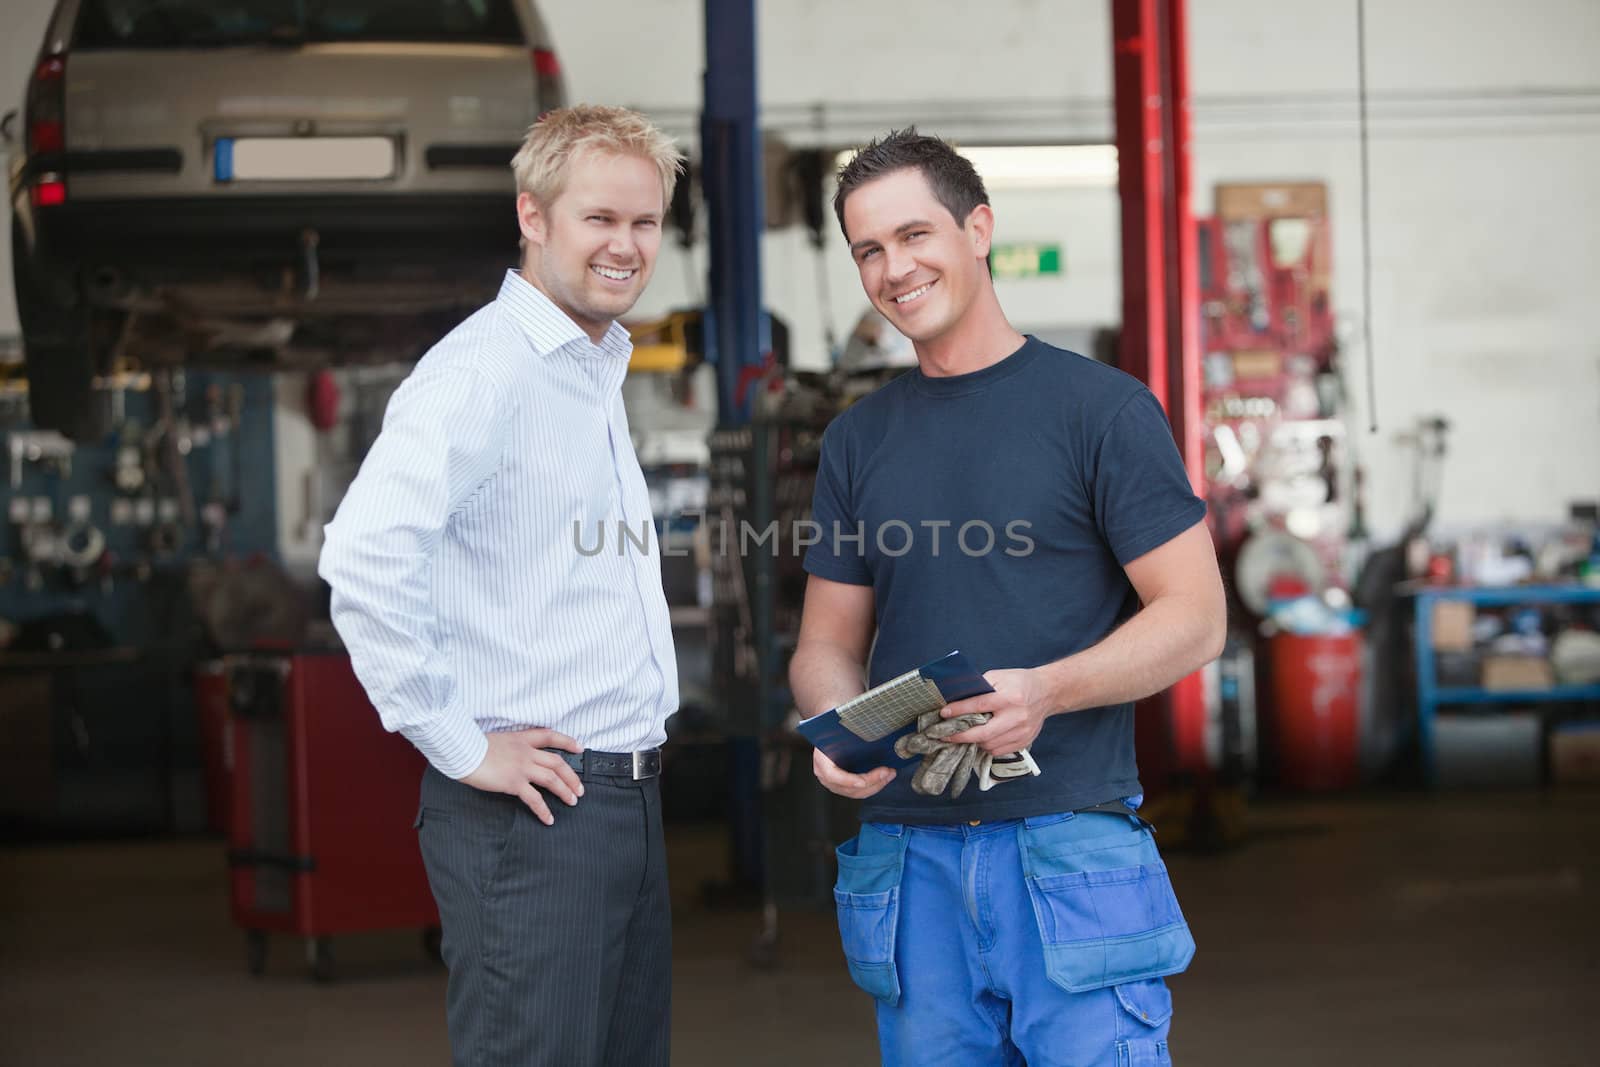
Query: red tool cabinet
point(320, 835)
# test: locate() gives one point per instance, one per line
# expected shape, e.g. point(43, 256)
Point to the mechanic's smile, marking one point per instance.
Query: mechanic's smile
point(915, 294)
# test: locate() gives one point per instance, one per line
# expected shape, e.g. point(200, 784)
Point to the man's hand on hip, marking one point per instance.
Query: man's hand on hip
point(517, 763)
point(1018, 707)
point(854, 786)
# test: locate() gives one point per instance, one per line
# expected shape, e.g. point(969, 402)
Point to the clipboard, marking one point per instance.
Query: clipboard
point(859, 734)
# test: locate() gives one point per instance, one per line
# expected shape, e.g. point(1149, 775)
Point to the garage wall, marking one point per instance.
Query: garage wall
point(1485, 232)
point(1486, 122)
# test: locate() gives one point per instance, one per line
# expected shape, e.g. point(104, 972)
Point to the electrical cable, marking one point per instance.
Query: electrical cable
point(1366, 216)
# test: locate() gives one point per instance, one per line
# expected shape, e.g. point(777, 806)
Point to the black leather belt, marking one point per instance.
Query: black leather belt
point(1109, 807)
point(1116, 807)
point(645, 763)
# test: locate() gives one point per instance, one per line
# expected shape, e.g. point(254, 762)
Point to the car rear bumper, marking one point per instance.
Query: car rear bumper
point(152, 240)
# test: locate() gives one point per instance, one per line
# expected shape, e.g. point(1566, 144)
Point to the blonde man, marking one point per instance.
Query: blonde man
point(525, 666)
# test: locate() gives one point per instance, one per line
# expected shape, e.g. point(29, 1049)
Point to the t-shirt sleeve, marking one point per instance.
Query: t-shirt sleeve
point(1142, 494)
point(836, 558)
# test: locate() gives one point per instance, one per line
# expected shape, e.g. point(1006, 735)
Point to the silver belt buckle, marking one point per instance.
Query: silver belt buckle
point(638, 765)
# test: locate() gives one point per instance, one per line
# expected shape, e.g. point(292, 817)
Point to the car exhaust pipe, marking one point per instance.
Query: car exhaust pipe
point(106, 285)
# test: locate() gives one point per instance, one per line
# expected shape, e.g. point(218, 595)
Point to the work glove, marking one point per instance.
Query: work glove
point(943, 764)
point(946, 764)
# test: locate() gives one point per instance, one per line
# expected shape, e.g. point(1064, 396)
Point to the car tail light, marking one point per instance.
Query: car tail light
point(46, 137)
point(47, 129)
point(49, 191)
point(547, 80)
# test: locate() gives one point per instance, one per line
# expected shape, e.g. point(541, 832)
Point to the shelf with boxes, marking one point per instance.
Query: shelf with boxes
point(1451, 671)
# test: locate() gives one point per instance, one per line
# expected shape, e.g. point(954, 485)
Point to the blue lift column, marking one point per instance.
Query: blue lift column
point(730, 148)
point(731, 177)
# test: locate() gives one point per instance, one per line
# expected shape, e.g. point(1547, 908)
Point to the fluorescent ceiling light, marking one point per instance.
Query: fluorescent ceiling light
point(1051, 166)
point(1045, 166)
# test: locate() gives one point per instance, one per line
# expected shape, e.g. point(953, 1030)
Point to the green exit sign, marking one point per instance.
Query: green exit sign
point(1026, 261)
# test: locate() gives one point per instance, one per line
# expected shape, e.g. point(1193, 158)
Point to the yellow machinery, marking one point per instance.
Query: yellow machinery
point(662, 345)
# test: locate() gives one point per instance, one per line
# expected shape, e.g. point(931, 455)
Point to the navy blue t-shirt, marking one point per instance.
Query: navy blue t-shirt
point(993, 512)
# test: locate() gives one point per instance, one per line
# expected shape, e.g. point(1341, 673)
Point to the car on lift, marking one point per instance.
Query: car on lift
point(266, 183)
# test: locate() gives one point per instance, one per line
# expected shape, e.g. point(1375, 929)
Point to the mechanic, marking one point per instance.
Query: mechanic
point(1032, 921)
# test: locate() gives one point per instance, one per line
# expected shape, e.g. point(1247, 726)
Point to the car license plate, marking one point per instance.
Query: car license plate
point(304, 158)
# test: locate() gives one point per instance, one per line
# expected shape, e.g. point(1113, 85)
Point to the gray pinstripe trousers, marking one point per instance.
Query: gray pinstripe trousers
point(558, 938)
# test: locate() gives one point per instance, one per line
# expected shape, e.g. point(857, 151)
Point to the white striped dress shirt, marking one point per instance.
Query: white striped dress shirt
point(459, 586)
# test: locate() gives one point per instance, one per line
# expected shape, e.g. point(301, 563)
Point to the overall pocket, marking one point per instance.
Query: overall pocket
point(1104, 904)
point(1148, 1008)
point(867, 896)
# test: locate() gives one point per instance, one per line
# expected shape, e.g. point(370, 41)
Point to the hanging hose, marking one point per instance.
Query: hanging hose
point(308, 245)
point(825, 299)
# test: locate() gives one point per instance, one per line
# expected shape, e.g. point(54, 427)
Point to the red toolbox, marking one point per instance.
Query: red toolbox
point(211, 708)
point(320, 835)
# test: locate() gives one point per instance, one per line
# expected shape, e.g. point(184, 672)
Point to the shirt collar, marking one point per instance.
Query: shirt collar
point(550, 329)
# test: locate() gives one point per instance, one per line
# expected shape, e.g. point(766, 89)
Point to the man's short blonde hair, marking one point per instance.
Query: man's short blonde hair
point(545, 158)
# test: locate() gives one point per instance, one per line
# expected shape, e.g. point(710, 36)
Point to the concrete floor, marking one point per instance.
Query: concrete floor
point(1417, 930)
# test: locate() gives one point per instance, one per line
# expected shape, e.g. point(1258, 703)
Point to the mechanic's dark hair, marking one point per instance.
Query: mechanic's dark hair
point(949, 173)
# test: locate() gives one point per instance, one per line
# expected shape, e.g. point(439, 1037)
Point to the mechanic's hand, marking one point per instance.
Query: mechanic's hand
point(516, 764)
point(842, 782)
point(1018, 706)
point(944, 763)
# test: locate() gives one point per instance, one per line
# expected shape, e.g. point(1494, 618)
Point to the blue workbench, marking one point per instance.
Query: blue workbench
point(1430, 694)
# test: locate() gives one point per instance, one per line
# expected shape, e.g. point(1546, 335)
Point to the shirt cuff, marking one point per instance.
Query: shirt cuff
point(453, 743)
